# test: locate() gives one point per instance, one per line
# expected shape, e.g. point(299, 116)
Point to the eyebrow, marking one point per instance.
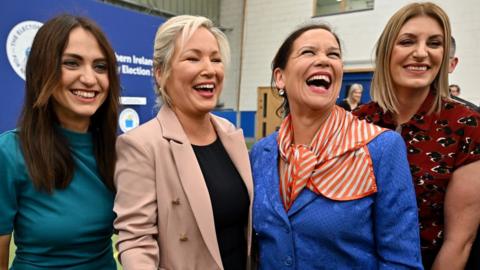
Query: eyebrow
point(414, 35)
point(315, 48)
point(79, 57)
point(72, 55)
point(199, 51)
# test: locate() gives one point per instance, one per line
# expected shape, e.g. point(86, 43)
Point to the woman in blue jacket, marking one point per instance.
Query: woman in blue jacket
point(332, 192)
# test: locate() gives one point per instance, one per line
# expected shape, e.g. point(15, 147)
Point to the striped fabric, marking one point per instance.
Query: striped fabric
point(336, 164)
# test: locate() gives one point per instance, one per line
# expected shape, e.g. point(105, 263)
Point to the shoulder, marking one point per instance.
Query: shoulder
point(368, 111)
point(8, 138)
point(455, 111)
point(460, 119)
point(387, 139)
point(268, 143)
point(388, 142)
point(223, 123)
point(467, 103)
point(11, 156)
point(343, 103)
point(144, 136)
point(9, 144)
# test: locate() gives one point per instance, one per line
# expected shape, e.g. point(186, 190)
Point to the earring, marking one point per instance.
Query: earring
point(281, 92)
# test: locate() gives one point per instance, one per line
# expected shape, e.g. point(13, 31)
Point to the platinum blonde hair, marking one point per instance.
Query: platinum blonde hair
point(352, 87)
point(180, 28)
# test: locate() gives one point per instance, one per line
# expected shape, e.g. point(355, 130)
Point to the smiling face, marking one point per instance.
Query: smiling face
point(84, 81)
point(196, 75)
point(417, 54)
point(356, 94)
point(313, 74)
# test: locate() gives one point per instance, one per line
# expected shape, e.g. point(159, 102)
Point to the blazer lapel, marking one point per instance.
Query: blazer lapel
point(305, 197)
point(191, 178)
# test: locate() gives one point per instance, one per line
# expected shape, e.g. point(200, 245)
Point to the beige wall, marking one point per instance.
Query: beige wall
point(269, 21)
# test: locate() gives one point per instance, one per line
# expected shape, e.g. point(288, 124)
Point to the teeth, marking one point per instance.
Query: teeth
point(84, 94)
point(417, 68)
point(320, 77)
point(208, 87)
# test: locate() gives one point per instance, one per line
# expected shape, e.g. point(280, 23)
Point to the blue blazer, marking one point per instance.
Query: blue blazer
point(379, 231)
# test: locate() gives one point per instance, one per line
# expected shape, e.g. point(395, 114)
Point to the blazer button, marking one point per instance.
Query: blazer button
point(176, 201)
point(183, 237)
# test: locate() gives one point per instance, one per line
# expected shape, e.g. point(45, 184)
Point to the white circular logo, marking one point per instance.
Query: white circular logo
point(128, 119)
point(19, 42)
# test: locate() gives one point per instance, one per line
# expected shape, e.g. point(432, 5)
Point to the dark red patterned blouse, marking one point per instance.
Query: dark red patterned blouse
point(437, 144)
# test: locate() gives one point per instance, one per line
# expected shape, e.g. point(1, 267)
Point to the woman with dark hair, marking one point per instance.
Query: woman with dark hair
point(56, 185)
point(331, 192)
point(410, 95)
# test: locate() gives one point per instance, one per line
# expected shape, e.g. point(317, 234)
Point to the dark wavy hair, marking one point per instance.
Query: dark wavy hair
point(281, 57)
point(47, 154)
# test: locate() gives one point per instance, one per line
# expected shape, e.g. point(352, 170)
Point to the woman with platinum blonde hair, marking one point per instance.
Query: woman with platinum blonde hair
point(410, 95)
point(354, 97)
point(184, 186)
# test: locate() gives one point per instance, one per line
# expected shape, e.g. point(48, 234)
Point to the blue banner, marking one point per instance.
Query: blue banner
point(130, 33)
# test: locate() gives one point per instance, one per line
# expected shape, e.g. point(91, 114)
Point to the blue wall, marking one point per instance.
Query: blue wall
point(131, 34)
point(364, 78)
point(247, 120)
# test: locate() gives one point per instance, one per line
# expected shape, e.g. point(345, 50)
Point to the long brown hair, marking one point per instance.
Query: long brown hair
point(47, 154)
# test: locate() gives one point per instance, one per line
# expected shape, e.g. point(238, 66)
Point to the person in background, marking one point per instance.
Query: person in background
point(184, 185)
point(353, 99)
point(331, 192)
point(410, 95)
point(454, 89)
point(56, 168)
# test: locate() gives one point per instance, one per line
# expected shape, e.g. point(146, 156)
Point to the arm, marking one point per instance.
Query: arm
point(136, 206)
point(396, 214)
point(4, 251)
point(462, 217)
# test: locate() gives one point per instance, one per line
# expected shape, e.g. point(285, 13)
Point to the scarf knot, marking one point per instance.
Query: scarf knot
point(336, 164)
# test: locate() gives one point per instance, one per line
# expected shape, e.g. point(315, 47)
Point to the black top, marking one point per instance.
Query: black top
point(230, 203)
point(344, 104)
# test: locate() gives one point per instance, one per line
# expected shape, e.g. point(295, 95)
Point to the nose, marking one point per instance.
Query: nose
point(322, 60)
point(208, 68)
point(88, 77)
point(420, 51)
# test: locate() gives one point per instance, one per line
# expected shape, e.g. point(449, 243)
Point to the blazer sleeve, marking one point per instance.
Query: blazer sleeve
point(136, 205)
point(396, 214)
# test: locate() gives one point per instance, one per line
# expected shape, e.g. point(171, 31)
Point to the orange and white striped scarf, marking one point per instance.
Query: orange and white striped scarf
point(336, 164)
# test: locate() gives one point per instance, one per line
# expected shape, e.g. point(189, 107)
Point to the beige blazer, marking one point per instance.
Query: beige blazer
point(164, 215)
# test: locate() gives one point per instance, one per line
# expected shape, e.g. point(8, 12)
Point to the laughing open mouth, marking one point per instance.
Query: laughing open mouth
point(205, 87)
point(319, 81)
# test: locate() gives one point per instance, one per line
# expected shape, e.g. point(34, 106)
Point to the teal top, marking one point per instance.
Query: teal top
point(68, 229)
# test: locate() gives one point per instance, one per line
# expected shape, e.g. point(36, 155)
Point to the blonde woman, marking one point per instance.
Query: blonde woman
point(184, 186)
point(353, 99)
point(410, 94)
